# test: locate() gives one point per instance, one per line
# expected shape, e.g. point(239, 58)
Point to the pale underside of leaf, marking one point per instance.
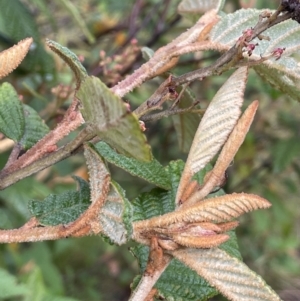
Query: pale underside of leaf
point(108, 116)
point(98, 172)
point(218, 209)
point(11, 58)
point(229, 275)
point(215, 126)
point(186, 124)
point(196, 7)
point(111, 217)
point(282, 74)
point(226, 156)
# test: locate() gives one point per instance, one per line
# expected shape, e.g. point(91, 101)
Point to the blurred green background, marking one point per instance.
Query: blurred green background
point(107, 36)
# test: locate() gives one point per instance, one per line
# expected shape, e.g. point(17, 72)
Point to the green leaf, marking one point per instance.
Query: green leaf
point(153, 203)
point(9, 287)
point(284, 152)
point(70, 59)
point(63, 208)
point(152, 171)
point(116, 216)
point(174, 170)
point(108, 116)
point(12, 121)
point(186, 124)
point(158, 201)
point(17, 23)
point(35, 128)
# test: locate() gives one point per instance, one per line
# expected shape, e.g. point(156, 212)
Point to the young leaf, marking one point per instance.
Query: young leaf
point(64, 208)
point(71, 60)
point(9, 287)
point(11, 58)
point(215, 126)
point(186, 124)
point(218, 209)
point(196, 7)
point(35, 128)
point(152, 171)
point(228, 274)
point(108, 116)
point(12, 121)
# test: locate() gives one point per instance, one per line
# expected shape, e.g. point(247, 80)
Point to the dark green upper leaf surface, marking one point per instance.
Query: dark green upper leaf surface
point(108, 116)
point(12, 121)
point(157, 201)
point(17, 23)
point(186, 124)
point(63, 208)
point(35, 128)
point(152, 171)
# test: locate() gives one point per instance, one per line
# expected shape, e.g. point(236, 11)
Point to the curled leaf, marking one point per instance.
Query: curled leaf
point(217, 210)
point(201, 242)
point(108, 116)
point(71, 60)
point(12, 57)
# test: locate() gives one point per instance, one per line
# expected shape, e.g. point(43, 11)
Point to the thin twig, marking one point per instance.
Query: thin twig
point(170, 112)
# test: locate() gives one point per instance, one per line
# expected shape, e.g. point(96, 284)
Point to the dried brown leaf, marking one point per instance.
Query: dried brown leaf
point(215, 127)
point(229, 275)
point(12, 57)
point(216, 210)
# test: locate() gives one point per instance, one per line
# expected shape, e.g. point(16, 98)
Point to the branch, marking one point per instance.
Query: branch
point(8, 178)
point(71, 121)
point(86, 224)
point(156, 265)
